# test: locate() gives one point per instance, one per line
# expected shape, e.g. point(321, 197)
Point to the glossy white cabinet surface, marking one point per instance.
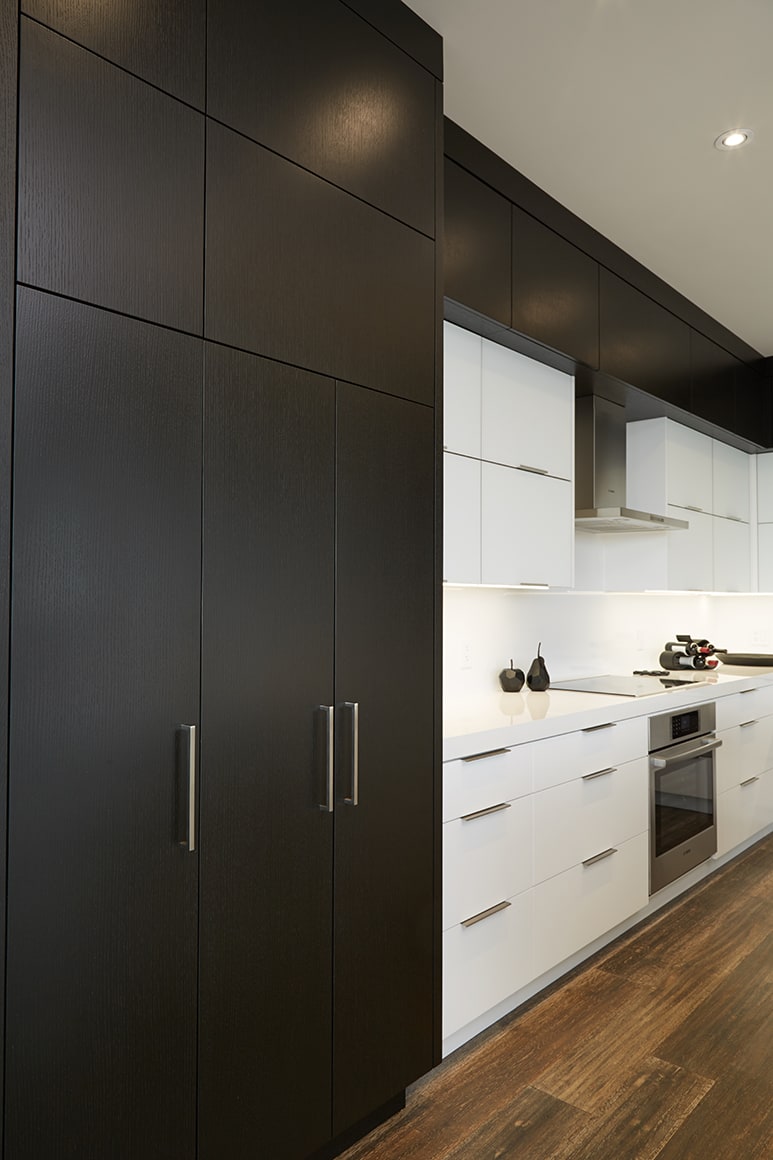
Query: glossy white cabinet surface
point(461, 519)
point(691, 553)
point(746, 750)
point(527, 528)
point(765, 557)
point(744, 810)
point(689, 467)
point(485, 963)
point(527, 413)
point(486, 858)
point(461, 390)
point(587, 751)
point(485, 779)
point(731, 555)
point(731, 481)
point(765, 488)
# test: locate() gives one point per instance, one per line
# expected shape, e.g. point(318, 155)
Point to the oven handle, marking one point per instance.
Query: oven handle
point(707, 747)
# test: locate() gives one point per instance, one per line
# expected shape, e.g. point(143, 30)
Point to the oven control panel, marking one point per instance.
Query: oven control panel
point(685, 724)
point(667, 728)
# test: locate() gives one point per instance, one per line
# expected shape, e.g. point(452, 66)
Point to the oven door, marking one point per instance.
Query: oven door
point(683, 830)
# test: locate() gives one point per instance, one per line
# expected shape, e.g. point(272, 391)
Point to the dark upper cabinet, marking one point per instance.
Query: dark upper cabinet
point(642, 343)
point(111, 185)
point(555, 290)
point(162, 41)
point(753, 411)
point(478, 245)
point(713, 374)
point(300, 271)
point(317, 84)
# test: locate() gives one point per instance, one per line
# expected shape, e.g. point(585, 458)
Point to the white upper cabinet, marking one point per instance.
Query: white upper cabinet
point(461, 390)
point(527, 416)
point(461, 519)
point(527, 528)
point(731, 474)
point(668, 464)
point(732, 555)
point(765, 488)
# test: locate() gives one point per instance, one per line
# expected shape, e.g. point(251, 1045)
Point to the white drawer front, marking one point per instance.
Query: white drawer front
point(485, 963)
point(744, 706)
point(745, 751)
point(744, 810)
point(576, 907)
point(576, 820)
point(483, 780)
point(485, 859)
point(560, 759)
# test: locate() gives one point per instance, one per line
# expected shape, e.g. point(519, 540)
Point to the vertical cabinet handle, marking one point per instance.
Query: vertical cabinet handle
point(354, 794)
point(329, 712)
point(186, 786)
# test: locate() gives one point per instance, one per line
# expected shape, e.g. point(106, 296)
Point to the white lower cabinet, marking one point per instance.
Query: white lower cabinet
point(487, 857)
point(576, 907)
point(744, 810)
point(486, 961)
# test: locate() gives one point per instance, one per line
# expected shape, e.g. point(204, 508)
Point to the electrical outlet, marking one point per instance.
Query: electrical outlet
point(466, 657)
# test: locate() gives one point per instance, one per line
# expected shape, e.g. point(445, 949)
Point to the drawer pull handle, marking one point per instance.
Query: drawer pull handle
point(533, 584)
point(534, 470)
point(486, 913)
point(744, 692)
point(691, 508)
point(484, 813)
point(750, 781)
point(600, 857)
point(488, 753)
point(599, 773)
point(746, 724)
point(595, 728)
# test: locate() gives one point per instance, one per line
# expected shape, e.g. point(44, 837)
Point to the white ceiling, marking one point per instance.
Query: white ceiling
point(612, 107)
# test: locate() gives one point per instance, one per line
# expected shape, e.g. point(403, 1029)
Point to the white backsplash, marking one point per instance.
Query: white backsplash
point(584, 633)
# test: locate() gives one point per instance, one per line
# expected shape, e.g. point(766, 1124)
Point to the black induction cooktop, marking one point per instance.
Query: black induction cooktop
point(631, 686)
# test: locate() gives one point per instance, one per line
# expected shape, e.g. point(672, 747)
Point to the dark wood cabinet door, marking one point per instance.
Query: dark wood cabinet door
point(753, 417)
point(477, 249)
point(102, 898)
point(712, 381)
point(319, 85)
point(383, 975)
point(555, 290)
point(642, 343)
point(266, 845)
point(300, 271)
point(162, 41)
point(111, 185)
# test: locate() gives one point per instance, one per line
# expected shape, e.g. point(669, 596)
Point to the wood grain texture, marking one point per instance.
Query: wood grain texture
point(8, 113)
point(477, 245)
point(162, 41)
point(655, 1049)
point(266, 847)
point(317, 84)
point(111, 185)
point(300, 271)
point(384, 865)
point(102, 901)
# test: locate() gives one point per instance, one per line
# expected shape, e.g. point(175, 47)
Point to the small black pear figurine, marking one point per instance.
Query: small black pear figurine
point(511, 679)
point(538, 677)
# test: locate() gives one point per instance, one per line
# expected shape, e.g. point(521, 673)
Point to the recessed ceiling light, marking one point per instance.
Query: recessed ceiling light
point(733, 138)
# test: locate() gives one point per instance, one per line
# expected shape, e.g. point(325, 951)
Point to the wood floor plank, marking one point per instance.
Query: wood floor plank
point(533, 1124)
point(734, 1121)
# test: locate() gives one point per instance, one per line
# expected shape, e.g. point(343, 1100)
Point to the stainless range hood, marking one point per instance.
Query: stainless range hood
point(599, 436)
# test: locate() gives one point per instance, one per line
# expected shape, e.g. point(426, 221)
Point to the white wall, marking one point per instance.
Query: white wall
point(584, 633)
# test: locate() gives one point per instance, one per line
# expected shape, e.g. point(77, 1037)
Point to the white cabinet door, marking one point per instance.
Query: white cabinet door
point(765, 557)
point(744, 810)
point(527, 528)
point(485, 963)
point(730, 481)
point(691, 553)
point(486, 857)
point(486, 779)
point(587, 751)
point(461, 390)
point(689, 468)
point(732, 555)
point(765, 488)
point(527, 413)
point(461, 519)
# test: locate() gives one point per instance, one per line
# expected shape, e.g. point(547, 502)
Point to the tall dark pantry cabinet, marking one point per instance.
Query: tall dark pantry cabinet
point(220, 517)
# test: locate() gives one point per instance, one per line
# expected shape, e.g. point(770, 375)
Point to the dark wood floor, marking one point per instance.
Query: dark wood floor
point(661, 1046)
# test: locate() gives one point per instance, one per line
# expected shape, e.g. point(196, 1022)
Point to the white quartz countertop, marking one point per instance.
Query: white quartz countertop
point(506, 719)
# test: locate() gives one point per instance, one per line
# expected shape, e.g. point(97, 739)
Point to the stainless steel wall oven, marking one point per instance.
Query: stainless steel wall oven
point(683, 823)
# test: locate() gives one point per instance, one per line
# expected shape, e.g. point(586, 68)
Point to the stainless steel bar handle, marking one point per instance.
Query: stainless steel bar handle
point(595, 728)
point(354, 799)
point(533, 470)
point(691, 508)
point(600, 857)
point(482, 756)
point(484, 813)
point(187, 760)
point(327, 805)
point(746, 724)
point(467, 922)
point(663, 762)
point(599, 773)
point(750, 781)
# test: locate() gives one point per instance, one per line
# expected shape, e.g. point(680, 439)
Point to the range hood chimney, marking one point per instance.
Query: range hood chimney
point(599, 463)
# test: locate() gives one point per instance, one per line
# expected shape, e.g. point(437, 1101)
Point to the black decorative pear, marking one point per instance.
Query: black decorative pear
point(511, 679)
point(538, 677)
